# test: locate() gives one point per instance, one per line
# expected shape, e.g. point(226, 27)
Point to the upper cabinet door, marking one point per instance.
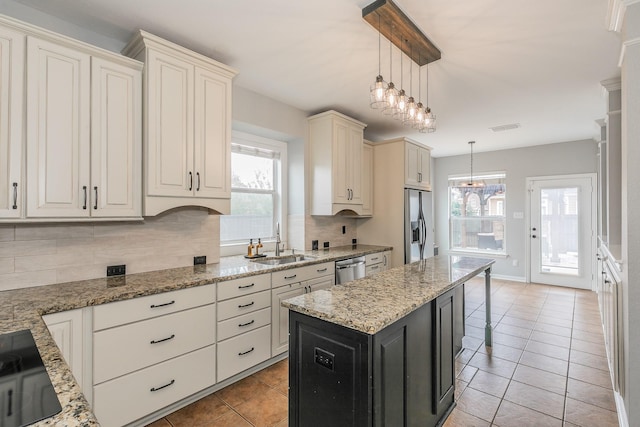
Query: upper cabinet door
point(169, 156)
point(11, 102)
point(367, 180)
point(58, 123)
point(340, 154)
point(212, 135)
point(424, 175)
point(116, 140)
point(411, 165)
point(354, 164)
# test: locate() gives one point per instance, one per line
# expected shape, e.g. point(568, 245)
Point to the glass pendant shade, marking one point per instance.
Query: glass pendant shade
point(418, 122)
point(429, 121)
point(401, 106)
point(391, 99)
point(410, 114)
point(377, 93)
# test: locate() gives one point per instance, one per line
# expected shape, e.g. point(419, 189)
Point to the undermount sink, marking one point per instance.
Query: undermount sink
point(284, 259)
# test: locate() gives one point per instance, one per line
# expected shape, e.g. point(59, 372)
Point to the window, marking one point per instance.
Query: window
point(257, 180)
point(477, 214)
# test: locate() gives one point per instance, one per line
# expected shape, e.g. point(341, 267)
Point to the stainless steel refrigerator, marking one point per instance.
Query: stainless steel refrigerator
point(418, 225)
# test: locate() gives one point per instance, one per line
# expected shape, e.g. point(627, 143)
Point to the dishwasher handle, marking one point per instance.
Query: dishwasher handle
point(352, 265)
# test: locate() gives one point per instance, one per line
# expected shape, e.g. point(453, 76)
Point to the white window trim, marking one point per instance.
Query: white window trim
point(237, 137)
point(478, 252)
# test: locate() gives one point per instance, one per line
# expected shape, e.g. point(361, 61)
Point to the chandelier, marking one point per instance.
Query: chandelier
point(390, 21)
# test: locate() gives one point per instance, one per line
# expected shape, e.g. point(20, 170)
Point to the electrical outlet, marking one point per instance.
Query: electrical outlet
point(324, 358)
point(116, 270)
point(344, 229)
point(354, 241)
point(314, 245)
point(198, 260)
point(325, 245)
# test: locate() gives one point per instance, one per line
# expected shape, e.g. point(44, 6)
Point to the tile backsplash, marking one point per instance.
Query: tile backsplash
point(42, 254)
point(329, 229)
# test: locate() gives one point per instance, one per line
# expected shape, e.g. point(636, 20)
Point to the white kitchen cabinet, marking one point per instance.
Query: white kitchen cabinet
point(288, 284)
point(58, 130)
point(116, 139)
point(417, 166)
point(83, 133)
point(243, 352)
point(8, 400)
point(367, 179)
point(335, 163)
point(135, 395)
point(11, 122)
point(187, 131)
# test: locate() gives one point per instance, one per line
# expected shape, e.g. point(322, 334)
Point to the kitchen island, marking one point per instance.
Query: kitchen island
point(380, 351)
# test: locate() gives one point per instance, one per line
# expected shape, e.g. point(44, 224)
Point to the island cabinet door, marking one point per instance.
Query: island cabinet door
point(329, 374)
point(403, 372)
point(444, 324)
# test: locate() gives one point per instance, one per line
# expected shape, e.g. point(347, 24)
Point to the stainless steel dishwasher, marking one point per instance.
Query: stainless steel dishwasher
point(350, 269)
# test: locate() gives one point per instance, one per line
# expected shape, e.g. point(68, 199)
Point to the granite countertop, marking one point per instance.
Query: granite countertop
point(24, 308)
point(369, 305)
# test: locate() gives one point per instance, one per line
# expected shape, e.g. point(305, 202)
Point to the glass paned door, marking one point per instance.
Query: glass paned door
point(562, 235)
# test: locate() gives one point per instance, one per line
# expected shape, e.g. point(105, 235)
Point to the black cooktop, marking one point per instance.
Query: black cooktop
point(26, 393)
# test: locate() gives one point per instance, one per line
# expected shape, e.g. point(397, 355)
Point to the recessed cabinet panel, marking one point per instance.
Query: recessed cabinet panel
point(170, 125)
point(11, 102)
point(212, 154)
point(116, 140)
point(340, 166)
point(58, 89)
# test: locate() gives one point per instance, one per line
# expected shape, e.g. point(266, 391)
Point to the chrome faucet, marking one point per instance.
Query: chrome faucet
point(278, 249)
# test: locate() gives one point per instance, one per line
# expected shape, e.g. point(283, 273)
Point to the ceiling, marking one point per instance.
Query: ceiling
point(536, 63)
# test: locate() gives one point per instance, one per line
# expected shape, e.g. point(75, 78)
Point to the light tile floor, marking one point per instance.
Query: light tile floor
point(547, 367)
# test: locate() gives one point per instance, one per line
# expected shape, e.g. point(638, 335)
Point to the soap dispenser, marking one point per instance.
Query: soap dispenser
point(250, 248)
point(258, 246)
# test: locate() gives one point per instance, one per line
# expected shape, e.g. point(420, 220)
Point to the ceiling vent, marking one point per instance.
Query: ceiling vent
point(505, 127)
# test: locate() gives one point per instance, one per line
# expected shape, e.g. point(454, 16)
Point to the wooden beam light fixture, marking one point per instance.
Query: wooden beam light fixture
point(401, 31)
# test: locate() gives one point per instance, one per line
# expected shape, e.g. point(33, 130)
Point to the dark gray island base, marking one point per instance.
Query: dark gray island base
point(380, 351)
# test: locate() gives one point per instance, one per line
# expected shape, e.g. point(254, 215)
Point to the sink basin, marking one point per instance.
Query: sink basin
point(284, 259)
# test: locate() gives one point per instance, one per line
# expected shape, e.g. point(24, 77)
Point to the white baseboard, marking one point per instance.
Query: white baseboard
point(511, 278)
point(622, 413)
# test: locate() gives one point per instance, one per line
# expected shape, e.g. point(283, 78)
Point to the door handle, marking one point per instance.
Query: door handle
point(163, 386)
point(190, 181)
point(198, 180)
point(84, 189)
point(163, 339)
point(95, 204)
point(533, 236)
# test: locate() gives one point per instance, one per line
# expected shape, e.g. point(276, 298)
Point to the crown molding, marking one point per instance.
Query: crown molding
point(626, 44)
point(615, 13)
point(612, 84)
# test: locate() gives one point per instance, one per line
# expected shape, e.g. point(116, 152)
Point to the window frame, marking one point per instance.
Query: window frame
point(499, 176)
point(232, 247)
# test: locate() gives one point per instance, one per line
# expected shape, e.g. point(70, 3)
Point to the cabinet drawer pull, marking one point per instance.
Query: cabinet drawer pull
point(15, 196)
point(246, 324)
point(163, 339)
point(246, 305)
point(322, 270)
point(242, 353)
point(290, 277)
point(198, 184)
point(190, 181)
point(95, 202)
point(374, 258)
point(246, 286)
point(84, 189)
point(375, 267)
point(162, 305)
point(163, 386)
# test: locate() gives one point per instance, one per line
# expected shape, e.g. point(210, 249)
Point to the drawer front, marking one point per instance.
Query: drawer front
point(245, 323)
point(373, 269)
point(243, 305)
point(123, 312)
point(293, 275)
point(376, 258)
point(244, 286)
point(243, 351)
point(128, 398)
point(119, 351)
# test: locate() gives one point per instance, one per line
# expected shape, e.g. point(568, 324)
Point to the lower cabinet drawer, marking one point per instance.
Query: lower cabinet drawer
point(121, 350)
point(245, 323)
point(133, 396)
point(243, 351)
point(244, 304)
point(373, 269)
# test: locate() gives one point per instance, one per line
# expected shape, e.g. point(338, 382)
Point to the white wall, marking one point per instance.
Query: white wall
point(543, 160)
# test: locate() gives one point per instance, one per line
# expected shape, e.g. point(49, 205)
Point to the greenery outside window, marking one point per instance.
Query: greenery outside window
point(477, 213)
point(257, 180)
